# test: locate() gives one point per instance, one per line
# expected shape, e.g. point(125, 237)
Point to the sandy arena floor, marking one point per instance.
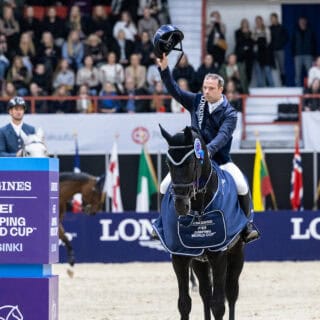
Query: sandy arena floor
point(148, 291)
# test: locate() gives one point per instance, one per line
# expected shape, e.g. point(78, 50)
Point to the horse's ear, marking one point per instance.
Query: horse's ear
point(165, 134)
point(188, 134)
point(40, 133)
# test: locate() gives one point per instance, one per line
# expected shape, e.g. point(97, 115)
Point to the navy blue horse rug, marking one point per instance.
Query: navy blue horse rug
point(214, 229)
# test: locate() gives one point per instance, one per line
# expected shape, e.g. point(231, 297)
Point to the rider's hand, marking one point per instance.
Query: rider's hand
point(19, 153)
point(163, 62)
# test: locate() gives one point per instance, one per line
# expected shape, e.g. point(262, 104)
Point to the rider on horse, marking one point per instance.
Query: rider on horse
point(211, 113)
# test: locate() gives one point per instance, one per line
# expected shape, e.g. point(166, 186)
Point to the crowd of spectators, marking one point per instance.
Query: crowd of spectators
point(106, 50)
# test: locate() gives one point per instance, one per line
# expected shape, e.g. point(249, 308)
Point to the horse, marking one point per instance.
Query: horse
point(91, 189)
point(198, 209)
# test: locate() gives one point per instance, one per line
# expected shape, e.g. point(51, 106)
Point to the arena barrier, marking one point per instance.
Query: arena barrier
point(29, 207)
point(126, 237)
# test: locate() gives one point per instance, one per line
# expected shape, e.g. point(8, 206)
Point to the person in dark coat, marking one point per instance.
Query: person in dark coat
point(215, 118)
point(12, 135)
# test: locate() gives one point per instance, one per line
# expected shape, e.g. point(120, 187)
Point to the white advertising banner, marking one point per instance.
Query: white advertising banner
point(96, 132)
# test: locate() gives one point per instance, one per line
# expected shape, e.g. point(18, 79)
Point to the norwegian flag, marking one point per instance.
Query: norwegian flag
point(296, 193)
point(112, 184)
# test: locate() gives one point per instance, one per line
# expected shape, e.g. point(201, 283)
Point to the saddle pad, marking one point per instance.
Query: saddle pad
point(205, 231)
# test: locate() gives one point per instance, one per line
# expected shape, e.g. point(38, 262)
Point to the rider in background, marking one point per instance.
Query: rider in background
point(216, 119)
point(12, 135)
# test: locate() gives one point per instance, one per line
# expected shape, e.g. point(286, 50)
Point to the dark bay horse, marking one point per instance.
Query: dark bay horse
point(200, 224)
point(91, 188)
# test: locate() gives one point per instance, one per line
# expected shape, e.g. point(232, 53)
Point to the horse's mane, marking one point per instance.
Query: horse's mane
point(75, 176)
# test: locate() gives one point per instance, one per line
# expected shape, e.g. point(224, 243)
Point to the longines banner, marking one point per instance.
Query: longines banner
point(96, 132)
point(126, 237)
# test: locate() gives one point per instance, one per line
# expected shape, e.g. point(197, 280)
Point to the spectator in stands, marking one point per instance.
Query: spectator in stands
point(118, 6)
point(216, 43)
point(10, 27)
point(314, 71)
point(42, 78)
point(64, 76)
point(177, 107)
point(147, 23)
point(8, 92)
point(20, 76)
point(96, 49)
point(11, 135)
point(244, 47)
point(48, 54)
point(100, 25)
point(153, 76)
point(29, 23)
point(234, 70)
point(303, 49)
point(232, 94)
point(123, 47)
point(108, 105)
point(41, 106)
point(158, 103)
point(55, 25)
point(27, 51)
point(84, 103)
point(313, 103)
point(89, 75)
point(112, 72)
point(4, 61)
point(262, 53)
point(136, 71)
point(73, 50)
point(77, 21)
point(131, 105)
point(186, 71)
point(127, 25)
point(208, 66)
point(144, 47)
point(61, 104)
point(279, 39)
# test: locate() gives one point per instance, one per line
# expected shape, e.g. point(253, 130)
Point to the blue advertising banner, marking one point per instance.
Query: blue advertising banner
point(29, 208)
point(126, 237)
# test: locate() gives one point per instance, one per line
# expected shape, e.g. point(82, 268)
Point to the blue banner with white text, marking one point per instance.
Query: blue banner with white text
point(126, 237)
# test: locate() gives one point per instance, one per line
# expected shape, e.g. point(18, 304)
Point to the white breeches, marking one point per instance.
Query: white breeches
point(238, 177)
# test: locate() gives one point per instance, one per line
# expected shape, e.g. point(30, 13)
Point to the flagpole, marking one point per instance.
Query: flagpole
point(159, 173)
point(107, 202)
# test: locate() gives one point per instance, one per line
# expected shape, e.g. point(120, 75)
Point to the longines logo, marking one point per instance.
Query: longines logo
point(15, 185)
point(9, 312)
point(301, 232)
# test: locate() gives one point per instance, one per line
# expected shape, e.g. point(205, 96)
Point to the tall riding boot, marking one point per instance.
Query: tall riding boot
point(249, 233)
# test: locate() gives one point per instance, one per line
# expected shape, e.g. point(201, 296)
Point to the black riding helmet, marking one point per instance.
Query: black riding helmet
point(165, 40)
point(16, 101)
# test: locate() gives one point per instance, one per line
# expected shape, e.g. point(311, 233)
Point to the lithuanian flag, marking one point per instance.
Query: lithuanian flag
point(261, 180)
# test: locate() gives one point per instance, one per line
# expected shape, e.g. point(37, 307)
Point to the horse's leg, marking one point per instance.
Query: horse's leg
point(218, 262)
point(235, 265)
point(67, 243)
point(181, 269)
point(202, 270)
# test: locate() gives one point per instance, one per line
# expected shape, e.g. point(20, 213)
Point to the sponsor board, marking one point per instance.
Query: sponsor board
point(126, 237)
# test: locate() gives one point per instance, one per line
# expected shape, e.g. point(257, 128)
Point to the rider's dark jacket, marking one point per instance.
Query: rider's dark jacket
point(216, 128)
point(10, 142)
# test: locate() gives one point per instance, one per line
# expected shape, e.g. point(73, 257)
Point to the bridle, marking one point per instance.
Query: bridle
point(193, 187)
point(24, 152)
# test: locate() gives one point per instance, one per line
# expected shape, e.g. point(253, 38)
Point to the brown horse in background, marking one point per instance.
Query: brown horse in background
point(91, 188)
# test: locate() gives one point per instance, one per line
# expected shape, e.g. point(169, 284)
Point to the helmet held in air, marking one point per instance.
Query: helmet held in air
point(16, 101)
point(166, 39)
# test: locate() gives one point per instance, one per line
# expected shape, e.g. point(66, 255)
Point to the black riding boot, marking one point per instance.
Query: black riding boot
point(249, 233)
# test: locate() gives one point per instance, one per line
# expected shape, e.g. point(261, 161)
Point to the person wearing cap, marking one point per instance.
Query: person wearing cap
point(12, 135)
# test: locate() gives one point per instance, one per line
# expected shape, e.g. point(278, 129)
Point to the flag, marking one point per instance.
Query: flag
point(77, 198)
point(112, 184)
point(261, 181)
point(147, 182)
point(296, 193)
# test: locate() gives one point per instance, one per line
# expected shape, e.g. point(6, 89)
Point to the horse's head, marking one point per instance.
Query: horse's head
point(34, 145)
point(92, 195)
point(189, 167)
